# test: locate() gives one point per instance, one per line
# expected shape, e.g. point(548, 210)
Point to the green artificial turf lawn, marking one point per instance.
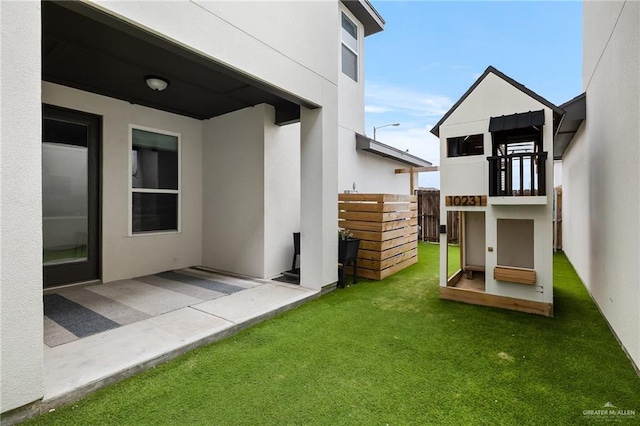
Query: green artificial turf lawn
point(387, 352)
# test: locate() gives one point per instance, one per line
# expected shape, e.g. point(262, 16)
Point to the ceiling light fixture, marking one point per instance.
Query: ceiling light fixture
point(156, 83)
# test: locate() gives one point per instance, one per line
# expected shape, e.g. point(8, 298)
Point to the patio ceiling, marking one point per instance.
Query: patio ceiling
point(88, 49)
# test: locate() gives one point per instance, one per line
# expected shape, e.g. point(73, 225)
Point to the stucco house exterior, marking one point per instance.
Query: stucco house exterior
point(143, 137)
point(600, 174)
point(496, 171)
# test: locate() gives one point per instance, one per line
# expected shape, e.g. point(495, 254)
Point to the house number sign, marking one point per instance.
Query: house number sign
point(466, 200)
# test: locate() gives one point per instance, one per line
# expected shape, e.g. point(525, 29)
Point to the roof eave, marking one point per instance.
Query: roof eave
point(364, 143)
point(366, 14)
point(576, 113)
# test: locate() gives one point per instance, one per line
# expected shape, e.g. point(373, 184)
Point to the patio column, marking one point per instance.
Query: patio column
point(21, 309)
point(319, 192)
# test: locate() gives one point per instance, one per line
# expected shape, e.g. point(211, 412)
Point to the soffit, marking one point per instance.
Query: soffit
point(576, 110)
point(366, 14)
point(90, 50)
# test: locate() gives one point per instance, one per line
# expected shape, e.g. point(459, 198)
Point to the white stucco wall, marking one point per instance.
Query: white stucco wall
point(21, 348)
point(370, 172)
point(233, 196)
point(468, 175)
point(351, 94)
point(601, 196)
point(300, 55)
point(125, 256)
point(282, 193)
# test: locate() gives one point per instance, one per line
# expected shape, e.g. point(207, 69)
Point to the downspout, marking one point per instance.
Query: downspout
point(564, 114)
point(555, 194)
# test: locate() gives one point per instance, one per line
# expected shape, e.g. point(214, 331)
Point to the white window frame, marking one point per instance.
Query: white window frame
point(344, 36)
point(153, 191)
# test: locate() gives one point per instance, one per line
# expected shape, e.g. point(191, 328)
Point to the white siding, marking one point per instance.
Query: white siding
point(601, 195)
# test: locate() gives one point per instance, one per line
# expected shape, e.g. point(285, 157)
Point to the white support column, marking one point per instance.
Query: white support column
point(21, 312)
point(319, 192)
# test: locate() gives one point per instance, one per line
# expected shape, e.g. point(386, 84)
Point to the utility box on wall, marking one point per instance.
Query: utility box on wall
point(387, 225)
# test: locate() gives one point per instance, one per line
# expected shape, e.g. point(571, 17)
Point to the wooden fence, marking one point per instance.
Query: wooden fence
point(558, 207)
point(386, 224)
point(429, 218)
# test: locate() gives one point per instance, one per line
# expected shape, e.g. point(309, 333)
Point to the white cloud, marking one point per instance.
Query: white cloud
point(379, 97)
point(375, 109)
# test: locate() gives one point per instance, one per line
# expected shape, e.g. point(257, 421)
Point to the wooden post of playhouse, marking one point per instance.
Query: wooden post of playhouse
point(412, 173)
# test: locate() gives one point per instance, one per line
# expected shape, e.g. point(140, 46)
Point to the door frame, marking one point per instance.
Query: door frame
point(91, 269)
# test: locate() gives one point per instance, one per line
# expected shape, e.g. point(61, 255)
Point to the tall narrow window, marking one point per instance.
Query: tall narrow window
point(349, 48)
point(155, 181)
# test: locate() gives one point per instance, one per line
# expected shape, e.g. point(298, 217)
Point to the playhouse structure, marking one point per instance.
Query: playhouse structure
point(496, 170)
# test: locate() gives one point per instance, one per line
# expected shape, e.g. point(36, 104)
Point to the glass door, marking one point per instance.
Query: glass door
point(70, 196)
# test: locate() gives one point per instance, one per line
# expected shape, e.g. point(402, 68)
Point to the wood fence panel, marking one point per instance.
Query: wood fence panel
point(429, 218)
point(559, 217)
point(387, 225)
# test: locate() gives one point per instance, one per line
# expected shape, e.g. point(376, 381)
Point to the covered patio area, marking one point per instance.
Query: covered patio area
point(98, 334)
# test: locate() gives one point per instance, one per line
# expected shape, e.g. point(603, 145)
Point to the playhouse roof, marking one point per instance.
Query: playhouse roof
point(558, 112)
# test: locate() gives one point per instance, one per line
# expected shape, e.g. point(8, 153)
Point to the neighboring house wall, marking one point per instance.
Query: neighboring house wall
point(21, 347)
point(371, 173)
point(601, 229)
point(125, 256)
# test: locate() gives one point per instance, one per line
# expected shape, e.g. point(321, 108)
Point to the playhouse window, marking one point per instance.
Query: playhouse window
point(515, 243)
point(155, 181)
point(349, 48)
point(465, 145)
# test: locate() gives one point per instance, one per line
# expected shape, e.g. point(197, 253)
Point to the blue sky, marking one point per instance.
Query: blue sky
point(431, 52)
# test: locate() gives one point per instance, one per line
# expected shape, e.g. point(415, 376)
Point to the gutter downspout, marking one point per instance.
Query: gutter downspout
point(555, 193)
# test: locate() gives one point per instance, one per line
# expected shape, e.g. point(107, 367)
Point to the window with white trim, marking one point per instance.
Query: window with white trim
point(155, 181)
point(349, 47)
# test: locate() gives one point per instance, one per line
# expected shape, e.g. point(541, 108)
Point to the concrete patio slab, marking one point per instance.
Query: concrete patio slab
point(147, 298)
point(77, 368)
point(254, 302)
point(186, 289)
point(56, 334)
